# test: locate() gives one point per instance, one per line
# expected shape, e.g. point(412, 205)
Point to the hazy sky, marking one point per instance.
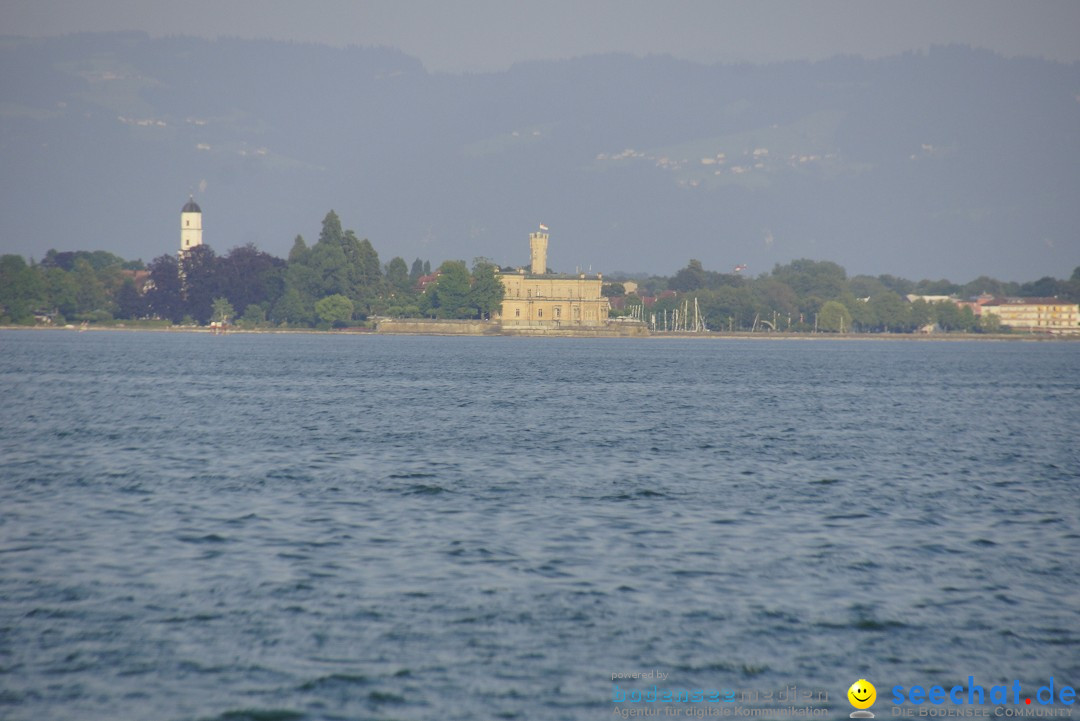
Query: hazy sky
point(483, 35)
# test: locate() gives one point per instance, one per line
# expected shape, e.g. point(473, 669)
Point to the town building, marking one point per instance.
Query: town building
point(536, 298)
point(1035, 315)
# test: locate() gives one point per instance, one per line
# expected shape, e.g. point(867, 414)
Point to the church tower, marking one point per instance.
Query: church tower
point(190, 226)
point(538, 243)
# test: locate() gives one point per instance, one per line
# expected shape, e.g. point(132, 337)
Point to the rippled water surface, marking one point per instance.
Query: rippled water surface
point(356, 527)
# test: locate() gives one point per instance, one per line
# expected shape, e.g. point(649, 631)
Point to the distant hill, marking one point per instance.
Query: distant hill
point(954, 163)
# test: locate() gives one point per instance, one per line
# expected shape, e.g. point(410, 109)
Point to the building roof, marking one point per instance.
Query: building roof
point(1028, 301)
point(191, 207)
point(521, 273)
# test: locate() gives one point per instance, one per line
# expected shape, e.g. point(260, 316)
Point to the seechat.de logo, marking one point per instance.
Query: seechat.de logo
point(862, 695)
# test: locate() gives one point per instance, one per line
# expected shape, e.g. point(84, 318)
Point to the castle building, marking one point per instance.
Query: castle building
point(190, 226)
point(540, 299)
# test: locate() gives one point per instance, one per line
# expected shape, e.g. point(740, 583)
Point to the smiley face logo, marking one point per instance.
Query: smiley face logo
point(862, 694)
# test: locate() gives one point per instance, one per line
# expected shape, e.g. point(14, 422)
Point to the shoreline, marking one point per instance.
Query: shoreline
point(708, 335)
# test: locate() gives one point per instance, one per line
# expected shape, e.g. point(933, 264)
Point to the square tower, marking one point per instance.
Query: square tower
point(538, 243)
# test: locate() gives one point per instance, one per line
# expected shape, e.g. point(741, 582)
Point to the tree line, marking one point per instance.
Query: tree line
point(339, 281)
point(807, 295)
point(336, 282)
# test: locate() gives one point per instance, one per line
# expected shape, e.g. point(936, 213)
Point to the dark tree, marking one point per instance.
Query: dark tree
point(692, 277)
point(165, 295)
point(416, 271)
point(130, 305)
point(247, 275)
point(1045, 287)
point(613, 290)
point(202, 282)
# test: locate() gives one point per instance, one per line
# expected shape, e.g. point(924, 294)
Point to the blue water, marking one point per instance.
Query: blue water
point(358, 527)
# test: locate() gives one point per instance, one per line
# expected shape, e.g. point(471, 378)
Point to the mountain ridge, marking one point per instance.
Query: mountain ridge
point(954, 162)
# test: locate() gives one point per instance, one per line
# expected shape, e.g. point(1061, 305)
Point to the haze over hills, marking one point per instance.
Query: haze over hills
point(955, 163)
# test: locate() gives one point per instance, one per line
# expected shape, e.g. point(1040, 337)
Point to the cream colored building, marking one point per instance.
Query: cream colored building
point(539, 299)
point(190, 226)
point(1038, 315)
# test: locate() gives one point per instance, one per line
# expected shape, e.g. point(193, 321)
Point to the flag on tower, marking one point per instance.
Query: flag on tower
point(543, 227)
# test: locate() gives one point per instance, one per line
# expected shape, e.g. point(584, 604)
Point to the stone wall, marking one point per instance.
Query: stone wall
point(438, 327)
point(427, 326)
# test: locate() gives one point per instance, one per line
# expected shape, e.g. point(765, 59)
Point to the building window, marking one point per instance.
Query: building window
point(517, 312)
point(558, 312)
point(540, 313)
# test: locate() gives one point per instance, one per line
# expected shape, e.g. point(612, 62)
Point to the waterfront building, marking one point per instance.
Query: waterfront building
point(536, 298)
point(1036, 315)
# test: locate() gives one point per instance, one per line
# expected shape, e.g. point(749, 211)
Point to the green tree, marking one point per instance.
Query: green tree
point(990, 323)
point(834, 317)
point(922, 313)
point(865, 286)
point(1074, 286)
point(947, 315)
point(254, 317)
point(723, 308)
point(448, 297)
point(364, 273)
point(935, 287)
point(331, 229)
point(487, 291)
point(397, 276)
point(299, 250)
point(692, 277)
point(61, 291)
point(990, 286)
point(775, 295)
point(968, 322)
point(416, 271)
point(328, 262)
point(293, 308)
point(21, 289)
point(334, 310)
point(891, 313)
point(223, 311)
point(89, 291)
point(900, 286)
point(813, 279)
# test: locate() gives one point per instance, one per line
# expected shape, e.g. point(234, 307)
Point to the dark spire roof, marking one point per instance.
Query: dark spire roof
point(191, 206)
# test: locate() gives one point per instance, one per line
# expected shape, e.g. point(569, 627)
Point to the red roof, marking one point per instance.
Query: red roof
point(425, 280)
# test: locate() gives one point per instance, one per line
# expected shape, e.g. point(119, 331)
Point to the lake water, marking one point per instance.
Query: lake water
point(364, 527)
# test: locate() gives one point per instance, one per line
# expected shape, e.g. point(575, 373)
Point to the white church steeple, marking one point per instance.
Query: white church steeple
point(190, 225)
